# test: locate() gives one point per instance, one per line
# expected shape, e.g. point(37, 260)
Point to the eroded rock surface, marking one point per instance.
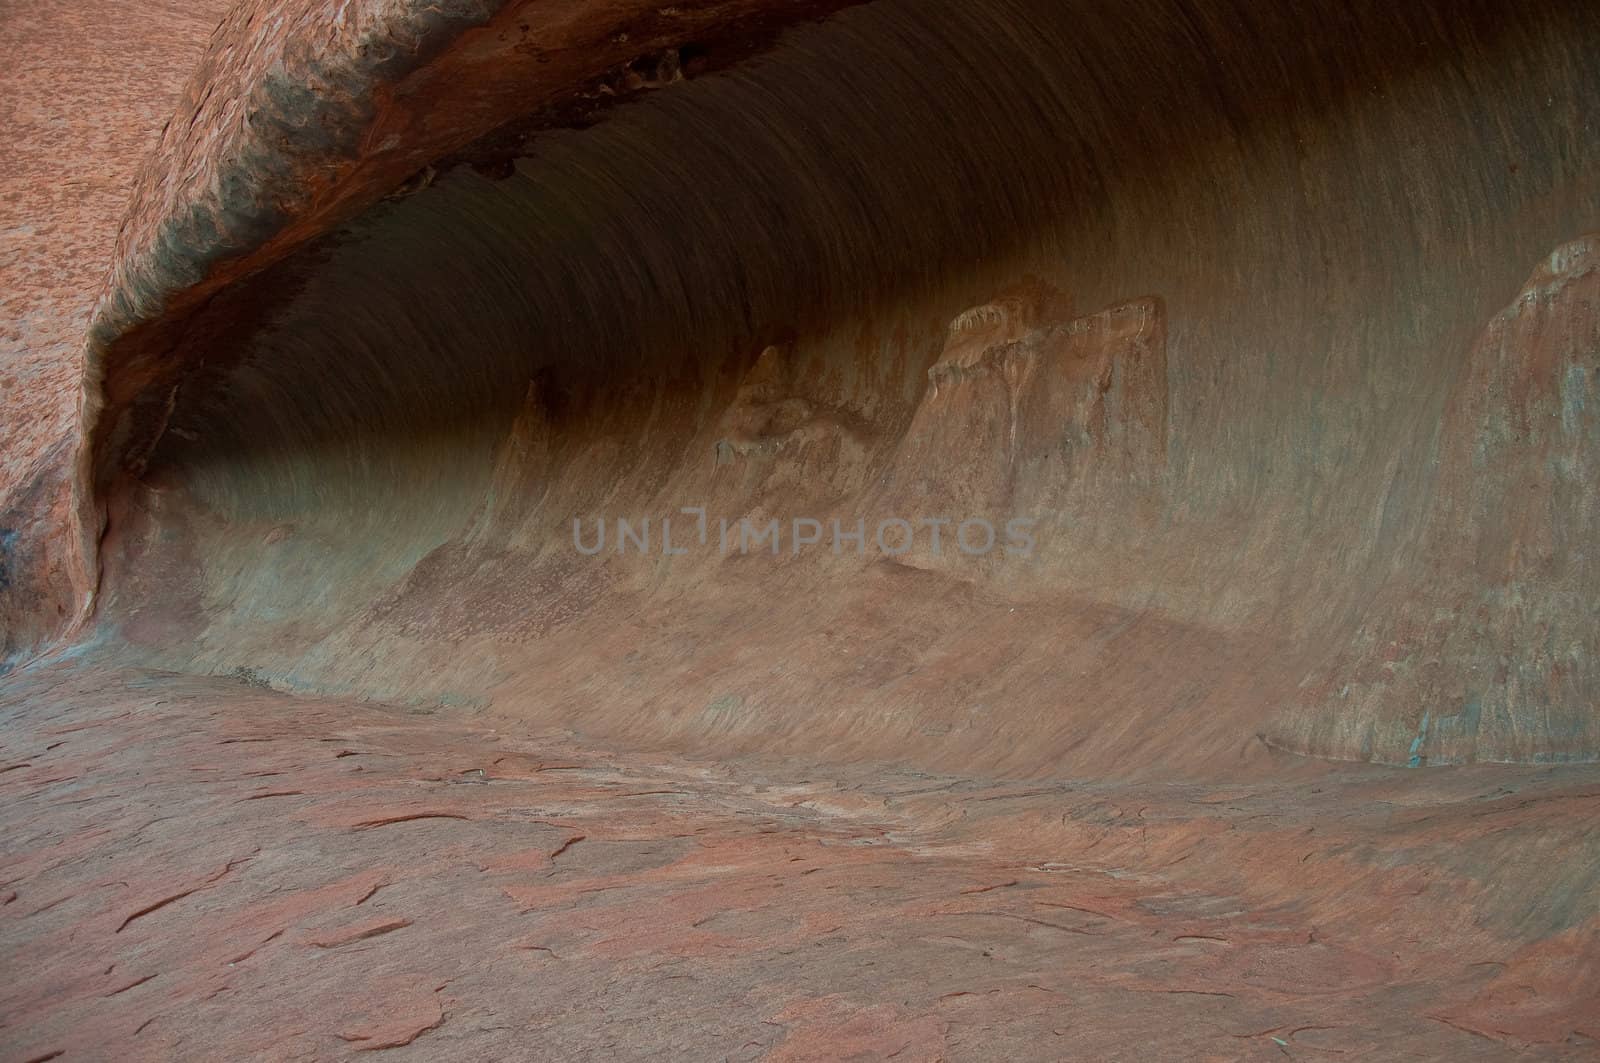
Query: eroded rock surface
point(86, 87)
point(1277, 738)
point(192, 863)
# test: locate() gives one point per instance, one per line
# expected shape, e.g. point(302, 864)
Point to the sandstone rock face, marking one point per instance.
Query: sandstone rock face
point(86, 87)
point(300, 116)
point(1491, 638)
point(345, 439)
point(1016, 418)
point(898, 510)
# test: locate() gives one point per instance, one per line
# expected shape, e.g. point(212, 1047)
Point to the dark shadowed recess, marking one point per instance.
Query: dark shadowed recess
point(871, 156)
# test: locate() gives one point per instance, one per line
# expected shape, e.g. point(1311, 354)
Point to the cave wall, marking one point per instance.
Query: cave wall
point(83, 94)
point(1234, 301)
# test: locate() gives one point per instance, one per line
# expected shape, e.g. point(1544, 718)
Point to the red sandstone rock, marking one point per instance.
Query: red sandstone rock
point(802, 918)
point(401, 1013)
point(87, 86)
point(371, 928)
point(407, 286)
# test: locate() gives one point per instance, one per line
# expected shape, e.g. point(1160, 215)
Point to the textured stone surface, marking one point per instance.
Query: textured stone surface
point(1234, 391)
point(302, 114)
point(84, 90)
point(1504, 622)
point(195, 868)
point(1233, 301)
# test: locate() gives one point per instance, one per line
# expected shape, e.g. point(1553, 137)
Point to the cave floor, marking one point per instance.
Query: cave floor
point(196, 868)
